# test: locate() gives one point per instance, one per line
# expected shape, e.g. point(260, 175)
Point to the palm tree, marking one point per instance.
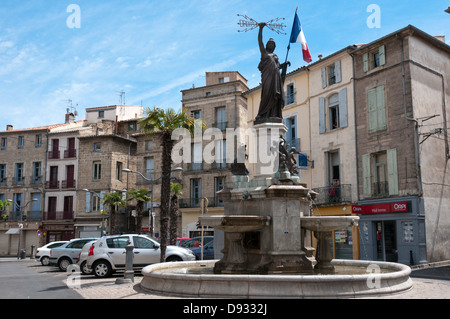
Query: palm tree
point(163, 123)
point(141, 197)
point(113, 200)
point(176, 191)
point(3, 206)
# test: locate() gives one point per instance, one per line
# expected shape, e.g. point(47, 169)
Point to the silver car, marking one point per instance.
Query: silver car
point(107, 254)
point(67, 254)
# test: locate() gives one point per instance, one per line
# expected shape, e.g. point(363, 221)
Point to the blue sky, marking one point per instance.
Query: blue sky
point(153, 49)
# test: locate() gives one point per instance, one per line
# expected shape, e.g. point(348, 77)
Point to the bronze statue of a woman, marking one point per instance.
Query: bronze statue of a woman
point(272, 96)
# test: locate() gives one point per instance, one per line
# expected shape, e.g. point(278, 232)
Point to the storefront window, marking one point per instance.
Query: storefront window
point(343, 244)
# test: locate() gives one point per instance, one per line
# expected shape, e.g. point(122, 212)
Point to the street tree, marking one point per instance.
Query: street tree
point(141, 196)
point(115, 201)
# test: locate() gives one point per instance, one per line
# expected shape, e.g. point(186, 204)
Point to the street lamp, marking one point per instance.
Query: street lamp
point(152, 180)
point(21, 219)
point(101, 212)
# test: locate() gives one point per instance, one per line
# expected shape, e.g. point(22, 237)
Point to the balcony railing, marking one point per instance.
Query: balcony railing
point(28, 215)
point(195, 202)
point(36, 179)
point(53, 155)
point(380, 189)
point(331, 195)
point(58, 215)
point(68, 184)
point(52, 185)
point(3, 181)
point(70, 153)
point(19, 180)
point(194, 166)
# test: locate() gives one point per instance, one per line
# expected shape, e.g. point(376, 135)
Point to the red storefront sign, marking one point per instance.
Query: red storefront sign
point(399, 207)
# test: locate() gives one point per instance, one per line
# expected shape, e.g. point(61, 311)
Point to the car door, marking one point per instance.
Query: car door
point(116, 250)
point(146, 251)
point(208, 251)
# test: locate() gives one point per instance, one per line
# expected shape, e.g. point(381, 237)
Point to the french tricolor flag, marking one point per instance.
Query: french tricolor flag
point(297, 36)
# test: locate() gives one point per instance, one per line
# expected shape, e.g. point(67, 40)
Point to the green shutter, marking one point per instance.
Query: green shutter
point(366, 62)
point(367, 187)
point(392, 171)
point(381, 109)
point(322, 127)
point(381, 52)
point(372, 102)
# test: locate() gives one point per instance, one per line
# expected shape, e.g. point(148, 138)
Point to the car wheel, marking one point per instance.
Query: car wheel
point(102, 269)
point(44, 261)
point(85, 270)
point(64, 263)
point(174, 258)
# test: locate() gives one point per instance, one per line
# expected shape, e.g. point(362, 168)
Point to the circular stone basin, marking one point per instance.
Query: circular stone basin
point(355, 278)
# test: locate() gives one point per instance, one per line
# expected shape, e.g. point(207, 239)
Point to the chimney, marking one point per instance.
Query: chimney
point(440, 37)
point(9, 127)
point(70, 118)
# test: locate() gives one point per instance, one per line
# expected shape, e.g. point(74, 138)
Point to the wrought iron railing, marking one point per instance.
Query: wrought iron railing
point(333, 194)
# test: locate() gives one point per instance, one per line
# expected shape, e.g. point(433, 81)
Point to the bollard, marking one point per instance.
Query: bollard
point(32, 251)
point(128, 276)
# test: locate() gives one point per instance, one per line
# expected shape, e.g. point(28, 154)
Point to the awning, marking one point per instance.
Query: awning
point(13, 231)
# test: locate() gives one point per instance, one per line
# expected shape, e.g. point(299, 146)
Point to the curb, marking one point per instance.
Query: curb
point(431, 265)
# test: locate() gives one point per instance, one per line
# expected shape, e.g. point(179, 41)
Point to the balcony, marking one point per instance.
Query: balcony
point(194, 167)
point(68, 184)
point(35, 179)
point(380, 189)
point(333, 195)
point(195, 202)
point(70, 153)
point(52, 185)
point(3, 181)
point(53, 155)
point(19, 180)
point(22, 215)
point(58, 215)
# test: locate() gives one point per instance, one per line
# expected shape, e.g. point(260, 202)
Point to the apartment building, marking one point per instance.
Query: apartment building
point(22, 175)
point(220, 104)
point(401, 99)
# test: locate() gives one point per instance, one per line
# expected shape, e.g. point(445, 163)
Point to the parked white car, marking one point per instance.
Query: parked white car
point(43, 253)
point(67, 254)
point(108, 254)
point(82, 258)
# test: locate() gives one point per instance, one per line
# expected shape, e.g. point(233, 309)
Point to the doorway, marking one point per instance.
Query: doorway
point(386, 242)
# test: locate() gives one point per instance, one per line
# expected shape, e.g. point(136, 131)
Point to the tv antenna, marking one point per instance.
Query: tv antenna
point(122, 97)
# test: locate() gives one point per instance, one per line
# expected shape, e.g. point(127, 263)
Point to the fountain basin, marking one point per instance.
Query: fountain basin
point(235, 223)
point(328, 223)
point(176, 279)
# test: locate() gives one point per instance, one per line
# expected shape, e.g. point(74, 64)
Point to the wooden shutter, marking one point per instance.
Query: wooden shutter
point(382, 55)
point(392, 171)
point(337, 71)
point(366, 62)
point(367, 187)
point(381, 110)
point(343, 115)
point(372, 103)
point(88, 202)
point(322, 127)
point(324, 77)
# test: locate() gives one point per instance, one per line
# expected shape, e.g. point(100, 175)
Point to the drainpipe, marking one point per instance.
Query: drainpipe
point(356, 125)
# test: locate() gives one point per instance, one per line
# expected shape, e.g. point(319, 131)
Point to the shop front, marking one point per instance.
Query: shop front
point(392, 230)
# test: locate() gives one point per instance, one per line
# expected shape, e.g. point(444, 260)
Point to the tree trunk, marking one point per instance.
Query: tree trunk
point(112, 220)
point(167, 144)
point(139, 209)
point(173, 219)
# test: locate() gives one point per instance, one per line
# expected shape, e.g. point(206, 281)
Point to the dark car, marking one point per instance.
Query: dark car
point(208, 251)
point(196, 241)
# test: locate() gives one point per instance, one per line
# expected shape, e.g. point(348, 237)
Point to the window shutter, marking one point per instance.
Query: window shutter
point(372, 102)
point(322, 128)
point(366, 62)
point(337, 71)
point(88, 202)
point(367, 189)
point(324, 77)
point(381, 52)
point(380, 105)
point(102, 196)
point(392, 171)
point(343, 122)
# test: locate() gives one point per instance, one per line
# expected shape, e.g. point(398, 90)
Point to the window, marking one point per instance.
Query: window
point(96, 203)
point(374, 59)
point(97, 171)
point(334, 168)
point(149, 145)
point(380, 176)
point(290, 94)
point(36, 178)
point(219, 184)
point(17, 202)
point(118, 242)
point(196, 160)
point(149, 167)
point(133, 126)
point(3, 143)
point(2, 173)
point(220, 150)
point(141, 242)
point(331, 74)
point(119, 171)
point(196, 192)
point(19, 174)
point(197, 114)
point(221, 118)
point(291, 133)
point(38, 140)
point(333, 111)
point(20, 142)
point(101, 114)
point(97, 147)
point(377, 111)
